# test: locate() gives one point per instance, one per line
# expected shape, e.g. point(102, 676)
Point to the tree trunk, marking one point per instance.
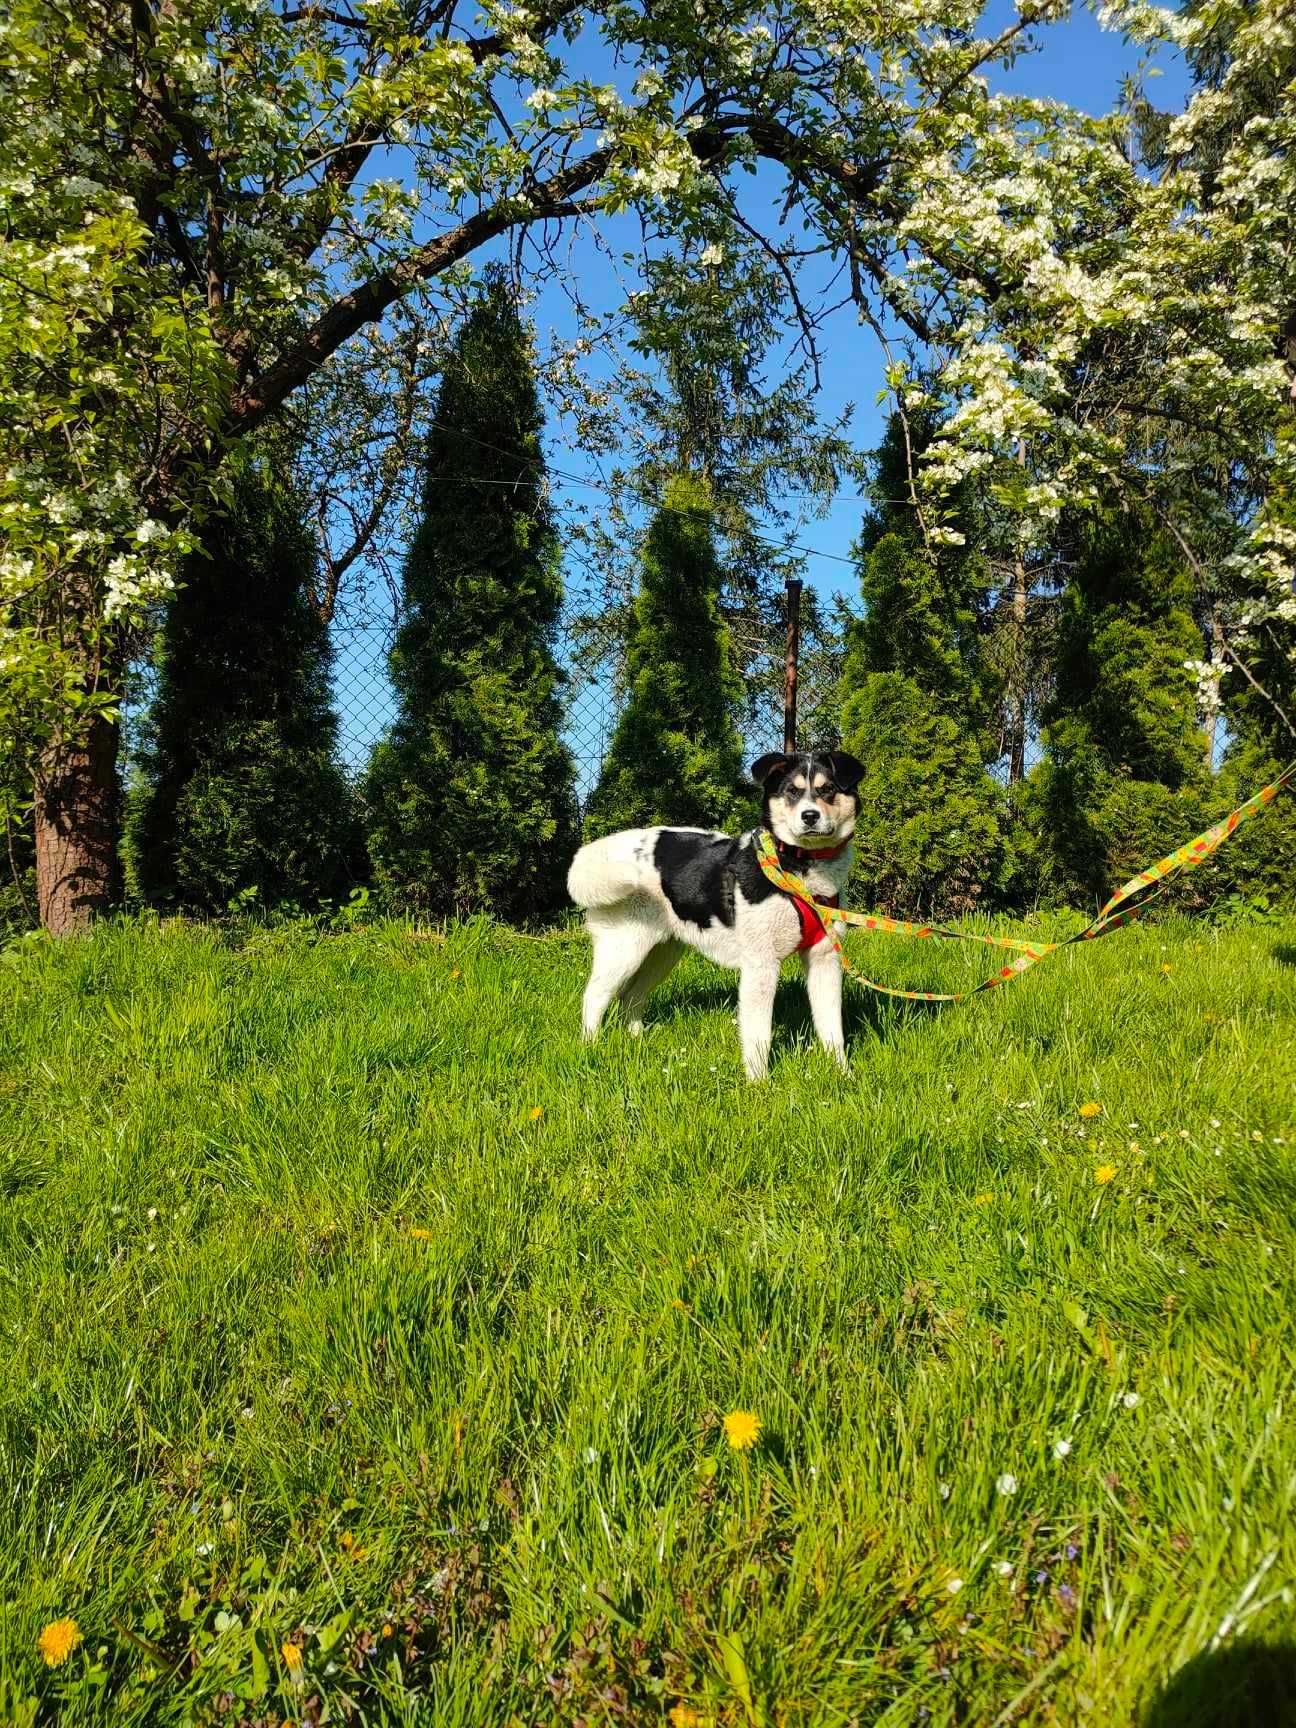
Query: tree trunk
point(76, 820)
point(1017, 705)
point(1017, 690)
point(1212, 718)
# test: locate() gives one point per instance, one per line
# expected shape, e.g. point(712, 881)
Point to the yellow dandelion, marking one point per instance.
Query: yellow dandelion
point(389, 1631)
point(419, 1234)
point(1104, 1173)
point(685, 1716)
point(1166, 966)
point(1089, 1111)
point(292, 1655)
point(982, 1199)
point(58, 1640)
point(742, 1429)
point(455, 972)
point(535, 1113)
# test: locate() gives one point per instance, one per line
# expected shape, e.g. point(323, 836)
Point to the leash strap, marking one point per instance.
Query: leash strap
point(1126, 905)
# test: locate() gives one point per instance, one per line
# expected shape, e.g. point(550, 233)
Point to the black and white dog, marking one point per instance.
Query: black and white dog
point(648, 891)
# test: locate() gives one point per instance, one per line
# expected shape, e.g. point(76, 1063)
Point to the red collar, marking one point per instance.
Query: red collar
point(806, 854)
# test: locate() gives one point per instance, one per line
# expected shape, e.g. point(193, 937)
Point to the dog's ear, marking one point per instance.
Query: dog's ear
point(774, 763)
point(846, 770)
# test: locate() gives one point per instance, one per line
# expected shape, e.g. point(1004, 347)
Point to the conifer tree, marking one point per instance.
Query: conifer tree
point(676, 755)
point(471, 801)
point(1124, 776)
point(916, 705)
point(240, 791)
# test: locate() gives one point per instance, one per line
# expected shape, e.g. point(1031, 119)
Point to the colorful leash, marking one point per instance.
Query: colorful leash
point(1125, 906)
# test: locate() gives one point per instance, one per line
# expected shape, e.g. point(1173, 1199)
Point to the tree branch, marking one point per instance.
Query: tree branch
point(550, 198)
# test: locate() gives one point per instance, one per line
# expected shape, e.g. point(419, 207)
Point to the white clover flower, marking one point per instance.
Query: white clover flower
point(1004, 1568)
point(1061, 1448)
point(1131, 1400)
point(953, 1585)
point(1007, 1483)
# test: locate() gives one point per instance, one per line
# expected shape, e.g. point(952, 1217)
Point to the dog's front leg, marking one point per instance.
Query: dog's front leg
point(824, 987)
point(757, 985)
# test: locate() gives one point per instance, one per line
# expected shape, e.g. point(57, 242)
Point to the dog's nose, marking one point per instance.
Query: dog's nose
point(809, 817)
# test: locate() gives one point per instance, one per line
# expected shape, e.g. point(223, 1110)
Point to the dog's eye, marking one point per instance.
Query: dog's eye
point(827, 793)
point(794, 791)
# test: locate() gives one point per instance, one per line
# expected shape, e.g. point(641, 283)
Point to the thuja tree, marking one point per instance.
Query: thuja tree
point(240, 794)
point(676, 754)
point(471, 801)
point(916, 707)
point(202, 204)
point(1124, 774)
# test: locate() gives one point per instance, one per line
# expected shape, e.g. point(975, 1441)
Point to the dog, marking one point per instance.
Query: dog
point(647, 893)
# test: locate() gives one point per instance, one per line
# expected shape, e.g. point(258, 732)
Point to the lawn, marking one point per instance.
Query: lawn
point(369, 1339)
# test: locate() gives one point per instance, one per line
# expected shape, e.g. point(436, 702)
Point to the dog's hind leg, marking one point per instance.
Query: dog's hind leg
point(654, 971)
point(622, 943)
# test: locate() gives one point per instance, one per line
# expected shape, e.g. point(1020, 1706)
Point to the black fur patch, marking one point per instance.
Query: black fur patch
point(699, 873)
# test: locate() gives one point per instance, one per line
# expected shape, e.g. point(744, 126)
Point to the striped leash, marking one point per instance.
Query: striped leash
point(1125, 906)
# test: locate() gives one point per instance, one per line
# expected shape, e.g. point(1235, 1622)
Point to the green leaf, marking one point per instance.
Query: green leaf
point(260, 1666)
point(735, 1666)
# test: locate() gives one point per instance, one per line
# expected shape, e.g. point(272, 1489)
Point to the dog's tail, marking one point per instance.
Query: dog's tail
point(610, 870)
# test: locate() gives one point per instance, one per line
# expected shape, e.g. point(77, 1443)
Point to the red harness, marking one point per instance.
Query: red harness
point(812, 929)
point(812, 926)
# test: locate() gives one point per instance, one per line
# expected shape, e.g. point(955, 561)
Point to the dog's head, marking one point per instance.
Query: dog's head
point(809, 800)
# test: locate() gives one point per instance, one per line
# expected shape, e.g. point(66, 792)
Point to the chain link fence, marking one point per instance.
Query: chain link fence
point(366, 703)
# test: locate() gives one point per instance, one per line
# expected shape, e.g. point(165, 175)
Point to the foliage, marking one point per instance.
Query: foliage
point(240, 794)
point(431, 1387)
point(676, 755)
point(916, 703)
point(1126, 774)
point(195, 226)
point(471, 801)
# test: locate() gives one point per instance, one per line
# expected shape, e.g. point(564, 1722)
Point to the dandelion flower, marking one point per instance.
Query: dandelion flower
point(685, 1716)
point(1007, 1483)
point(535, 1113)
point(1166, 966)
point(982, 1199)
point(455, 972)
point(292, 1655)
point(1089, 1111)
point(1103, 1174)
point(419, 1234)
point(58, 1640)
point(1061, 1448)
point(742, 1429)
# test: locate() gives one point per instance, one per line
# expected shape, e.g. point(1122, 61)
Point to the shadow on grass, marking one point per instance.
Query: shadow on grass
point(862, 1011)
point(1241, 1686)
point(1284, 953)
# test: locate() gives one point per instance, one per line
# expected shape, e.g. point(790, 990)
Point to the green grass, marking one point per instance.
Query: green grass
point(313, 1334)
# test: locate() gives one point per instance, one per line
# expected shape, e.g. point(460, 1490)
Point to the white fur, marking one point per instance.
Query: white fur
point(637, 938)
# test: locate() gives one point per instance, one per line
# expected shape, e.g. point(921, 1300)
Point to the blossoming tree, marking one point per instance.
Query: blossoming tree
point(204, 203)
